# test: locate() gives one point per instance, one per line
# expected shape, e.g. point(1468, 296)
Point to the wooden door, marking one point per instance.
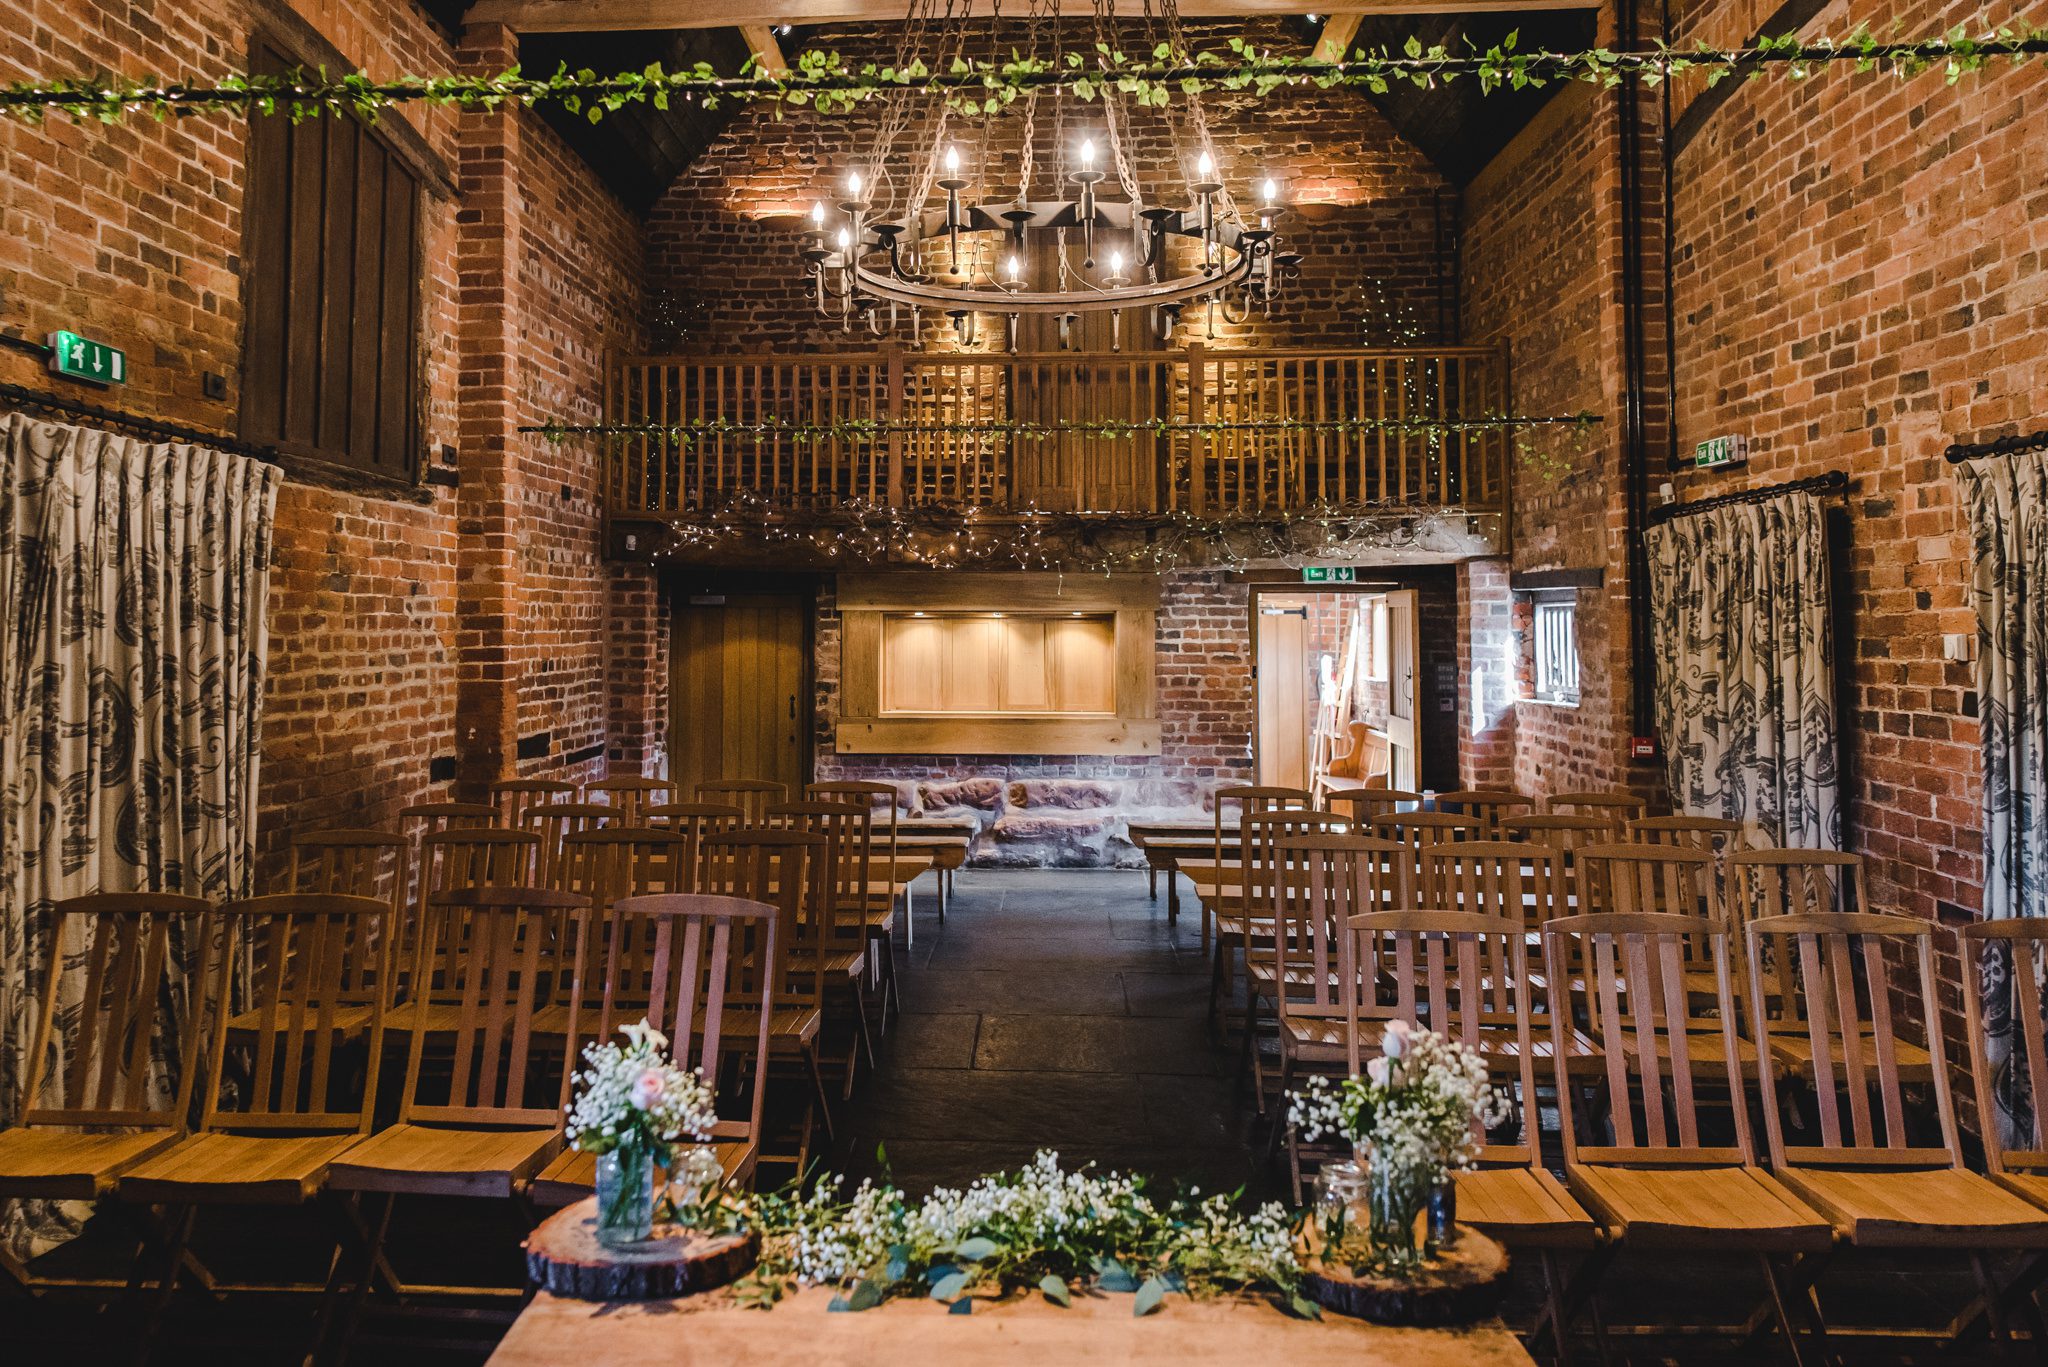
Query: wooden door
point(1284, 697)
point(1404, 656)
point(739, 693)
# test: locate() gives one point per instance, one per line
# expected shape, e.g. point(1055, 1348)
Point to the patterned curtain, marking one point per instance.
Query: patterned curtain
point(2007, 503)
point(1740, 627)
point(133, 578)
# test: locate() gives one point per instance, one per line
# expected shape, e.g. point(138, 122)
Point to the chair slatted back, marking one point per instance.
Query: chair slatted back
point(1853, 971)
point(882, 800)
point(717, 961)
point(514, 796)
point(1560, 831)
point(1624, 973)
point(1421, 832)
point(630, 794)
point(1366, 805)
point(754, 796)
point(848, 828)
point(695, 820)
point(554, 822)
point(1231, 804)
point(468, 857)
point(2007, 956)
point(1521, 882)
point(423, 819)
point(349, 863)
point(1715, 834)
point(1614, 806)
point(497, 952)
point(1487, 806)
point(129, 947)
point(1464, 975)
point(791, 871)
point(1258, 853)
point(307, 959)
point(1649, 878)
point(610, 862)
point(1796, 883)
point(1322, 880)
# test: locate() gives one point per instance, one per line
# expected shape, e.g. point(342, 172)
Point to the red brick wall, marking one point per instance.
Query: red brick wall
point(132, 233)
point(1862, 277)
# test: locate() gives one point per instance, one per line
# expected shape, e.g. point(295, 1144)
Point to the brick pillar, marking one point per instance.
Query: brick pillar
point(487, 582)
point(636, 669)
point(1487, 659)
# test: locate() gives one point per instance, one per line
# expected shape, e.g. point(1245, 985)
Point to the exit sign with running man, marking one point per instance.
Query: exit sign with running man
point(80, 358)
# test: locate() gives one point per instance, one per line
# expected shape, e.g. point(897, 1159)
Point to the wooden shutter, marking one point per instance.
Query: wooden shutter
point(330, 227)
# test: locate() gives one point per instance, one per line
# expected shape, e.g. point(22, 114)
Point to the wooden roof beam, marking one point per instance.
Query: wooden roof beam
point(1338, 30)
point(597, 16)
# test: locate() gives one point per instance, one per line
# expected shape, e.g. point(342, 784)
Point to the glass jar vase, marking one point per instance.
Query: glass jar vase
point(625, 1196)
point(1395, 1197)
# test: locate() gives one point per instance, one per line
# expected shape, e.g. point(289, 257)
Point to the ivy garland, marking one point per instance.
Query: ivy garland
point(825, 82)
point(943, 534)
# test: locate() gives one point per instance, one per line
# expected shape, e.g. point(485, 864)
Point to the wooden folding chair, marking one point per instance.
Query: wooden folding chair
point(884, 801)
point(103, 1111)
point(1661, 1181)
point(1679, 880)
point(464, 857)
point(1862, 1166)
point(695, 819)
point(1262, 864)
point(849, 829)
point(1324, 879)
point(1366, 805)
point(1521, 882)
point(1560, 831)
point(2003, 962)
point(514, 796)
point(1217, 888)
point(1465, 975)
point(1487, 806)
point(1421, 832)
point(1616, 807)
point(630, 794)
point(423, 819)
point(290, 1082)
point(708, 963)
point(350, 863)
point(1715, 834)
point(483, 1116)
point(554, 822)
point(788, 869)
point(754, 796)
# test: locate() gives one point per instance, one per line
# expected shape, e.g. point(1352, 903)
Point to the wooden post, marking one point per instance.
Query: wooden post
point(893, 409)
point(1198, 442)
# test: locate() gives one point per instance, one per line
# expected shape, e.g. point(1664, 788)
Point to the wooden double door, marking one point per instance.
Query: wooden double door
point(740, 689)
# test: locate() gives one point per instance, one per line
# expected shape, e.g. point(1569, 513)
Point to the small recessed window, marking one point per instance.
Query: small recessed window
point(1557, 651)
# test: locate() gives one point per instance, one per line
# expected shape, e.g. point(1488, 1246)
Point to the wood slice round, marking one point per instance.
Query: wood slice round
point(1463, 1283)
point(563, 1256)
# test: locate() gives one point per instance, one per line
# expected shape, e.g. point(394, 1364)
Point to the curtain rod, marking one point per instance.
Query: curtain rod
point(2004, 446)
point(1834, 481)
point(149, 427)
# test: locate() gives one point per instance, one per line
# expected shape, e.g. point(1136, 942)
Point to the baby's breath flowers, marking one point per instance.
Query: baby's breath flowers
point(632, 1096)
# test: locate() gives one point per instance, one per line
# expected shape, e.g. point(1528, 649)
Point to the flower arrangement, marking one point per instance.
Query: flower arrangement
point(632, 1107)
point(1040, 1228)
point(1418, 1114)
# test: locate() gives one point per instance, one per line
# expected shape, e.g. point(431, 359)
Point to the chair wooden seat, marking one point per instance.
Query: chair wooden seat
point(1524, 1206)
point(784, 1023)
point(1920, 1207)
point(1728, 1207)
point(344, 1020)
point(573, 1174)
point(432, 1017)
point(1316, 1034)
point(843, 963)
point(221, 1167)
point(1581, 1053)
point(2032, 1185)
point(72, 1165)
point(1793, 1051)
point(432, 1161)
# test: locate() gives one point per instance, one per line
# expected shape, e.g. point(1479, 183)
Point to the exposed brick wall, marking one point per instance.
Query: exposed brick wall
point(1367, 207)
point(132, 233)
point(1487, 650)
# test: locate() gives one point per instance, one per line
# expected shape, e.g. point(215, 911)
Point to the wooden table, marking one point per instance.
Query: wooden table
point(1165, 844)
point(710, 1331)
point(944, 842)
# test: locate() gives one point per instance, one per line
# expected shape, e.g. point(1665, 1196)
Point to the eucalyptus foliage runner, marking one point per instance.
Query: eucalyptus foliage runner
point(825, 82)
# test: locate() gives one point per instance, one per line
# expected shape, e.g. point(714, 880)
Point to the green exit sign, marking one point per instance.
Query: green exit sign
point(81, 358)
point(1329, 574)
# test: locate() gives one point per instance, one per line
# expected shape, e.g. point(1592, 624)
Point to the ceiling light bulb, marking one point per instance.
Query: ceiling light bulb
point(952, 161)
point(1088, 154)
point(1015, 268)
point(818, 217)
point(845, 239)
point(853, 184)
point(1116, 263)
point(1270, 191)
point(1205, 166)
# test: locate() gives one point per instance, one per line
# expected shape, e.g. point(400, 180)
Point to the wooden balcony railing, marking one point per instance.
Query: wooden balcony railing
point(1220, 432)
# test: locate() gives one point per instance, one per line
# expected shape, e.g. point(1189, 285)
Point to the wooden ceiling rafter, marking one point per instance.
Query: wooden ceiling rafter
point(588, 16)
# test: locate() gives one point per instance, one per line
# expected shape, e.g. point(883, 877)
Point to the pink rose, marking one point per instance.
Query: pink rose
point(1394, 1043)
point(647, 1089)
point(1376, 1071)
